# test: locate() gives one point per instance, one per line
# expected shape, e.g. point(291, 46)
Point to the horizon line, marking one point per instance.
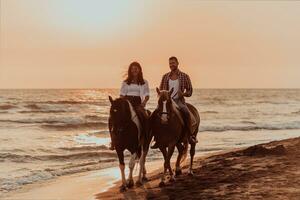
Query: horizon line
point(115, 88)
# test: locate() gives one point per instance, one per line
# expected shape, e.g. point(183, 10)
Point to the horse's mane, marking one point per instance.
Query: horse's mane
point(130, 114)
point(125, 103)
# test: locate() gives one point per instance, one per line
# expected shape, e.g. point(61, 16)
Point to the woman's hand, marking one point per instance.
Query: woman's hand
point(143, 104)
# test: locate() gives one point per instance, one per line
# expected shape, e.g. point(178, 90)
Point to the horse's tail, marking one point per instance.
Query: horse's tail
point(185, 151)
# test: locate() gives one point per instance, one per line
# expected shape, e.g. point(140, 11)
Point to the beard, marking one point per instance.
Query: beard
point(173, 67)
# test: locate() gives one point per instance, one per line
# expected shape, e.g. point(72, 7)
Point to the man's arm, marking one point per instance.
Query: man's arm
point(188, 87)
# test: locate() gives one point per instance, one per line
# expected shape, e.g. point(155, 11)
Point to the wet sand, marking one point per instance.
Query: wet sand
point(74, 187)
point(269, 171)
point(265, 171)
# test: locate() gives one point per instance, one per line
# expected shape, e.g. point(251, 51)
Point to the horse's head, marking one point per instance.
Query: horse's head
point(119, 113)
point(164, 105)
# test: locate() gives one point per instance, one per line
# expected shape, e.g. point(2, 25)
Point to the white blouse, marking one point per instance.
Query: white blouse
point(135, 89)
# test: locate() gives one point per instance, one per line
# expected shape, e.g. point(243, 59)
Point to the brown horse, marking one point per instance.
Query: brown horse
point(168, 129)
point(124, 124)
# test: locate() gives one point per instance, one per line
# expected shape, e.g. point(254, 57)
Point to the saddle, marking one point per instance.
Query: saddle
point(137, 116)
point(193, 122)
point(136, 120)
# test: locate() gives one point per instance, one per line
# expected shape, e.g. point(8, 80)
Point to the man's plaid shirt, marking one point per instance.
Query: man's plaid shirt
point(185, 83)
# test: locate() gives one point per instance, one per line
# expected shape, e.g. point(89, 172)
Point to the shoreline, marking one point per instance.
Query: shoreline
point(85, 185)
point(93, 184)
point(247, 173)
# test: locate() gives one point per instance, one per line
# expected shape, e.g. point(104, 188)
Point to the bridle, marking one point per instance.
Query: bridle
point(121, 127)
point(162, 111)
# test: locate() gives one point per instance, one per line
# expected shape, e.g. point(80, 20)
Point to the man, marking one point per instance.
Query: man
point(182, 87)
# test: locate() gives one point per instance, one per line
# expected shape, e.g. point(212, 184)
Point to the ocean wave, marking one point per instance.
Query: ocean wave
point(33, 106)
point(43, 111)
point(270, 102)
point(102, 133)
point(85, 148)
point(81, 155)
point(63, 123)
point(7, 107)
point(209, 112)
point(45, 108)
point(16, 157)
point(95, 117)
point(67, 102)
point(248, 122)
point(286, 126)
point(296, 112)
point(57, 157)
point(31, 121)
point(9, 184)
point(85, 125)
point(70, 102)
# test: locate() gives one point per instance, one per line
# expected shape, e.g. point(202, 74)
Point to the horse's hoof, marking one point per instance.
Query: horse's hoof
point(191, 173)
point(123, 188)
point(162, 184)
point(178, 172)
point(138, 183)
point(172, 179)
point(145, 179)
point(130, 184)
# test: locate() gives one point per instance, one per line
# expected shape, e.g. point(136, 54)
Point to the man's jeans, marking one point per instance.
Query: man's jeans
point(187, 118)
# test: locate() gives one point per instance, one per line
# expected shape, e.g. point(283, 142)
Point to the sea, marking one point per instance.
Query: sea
point(48, 133)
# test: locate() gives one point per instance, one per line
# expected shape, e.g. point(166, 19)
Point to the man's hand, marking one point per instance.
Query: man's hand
point(180, 94)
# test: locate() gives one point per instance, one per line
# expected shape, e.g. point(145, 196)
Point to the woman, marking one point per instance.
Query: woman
point(136, 89)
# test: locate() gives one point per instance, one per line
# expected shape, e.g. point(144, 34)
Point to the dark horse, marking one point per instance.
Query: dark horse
point(126, 128)
point(168, 129)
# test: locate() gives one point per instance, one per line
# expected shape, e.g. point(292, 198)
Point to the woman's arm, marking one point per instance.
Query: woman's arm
point(146, 99)
point(146, 93)
point(123, 90)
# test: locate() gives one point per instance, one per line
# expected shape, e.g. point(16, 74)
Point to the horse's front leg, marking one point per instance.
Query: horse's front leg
point(139, 182)
point(164, 152)
point(180, 148)
point(169, 156)
point(122, 169)
point(131, 167)
point(144, 178)
point(192, 153)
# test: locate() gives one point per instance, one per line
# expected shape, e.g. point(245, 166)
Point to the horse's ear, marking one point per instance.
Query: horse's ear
point(171, 91)
point(111, 99)
point(158, 91)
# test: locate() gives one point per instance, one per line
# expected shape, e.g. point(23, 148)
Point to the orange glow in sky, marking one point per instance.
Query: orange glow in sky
point(90, 43)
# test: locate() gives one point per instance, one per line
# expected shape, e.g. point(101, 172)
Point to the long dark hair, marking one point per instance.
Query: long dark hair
point(129, 79)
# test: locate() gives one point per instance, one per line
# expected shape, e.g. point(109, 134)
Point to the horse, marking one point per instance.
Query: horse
point(126, 128)
point(168, 129)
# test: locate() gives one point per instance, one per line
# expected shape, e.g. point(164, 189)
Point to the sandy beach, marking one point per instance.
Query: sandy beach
point(265, 171)
point(245, 173)
point(76, 74)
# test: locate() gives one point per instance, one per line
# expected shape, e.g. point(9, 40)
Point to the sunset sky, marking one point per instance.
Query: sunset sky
point(90, 43)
